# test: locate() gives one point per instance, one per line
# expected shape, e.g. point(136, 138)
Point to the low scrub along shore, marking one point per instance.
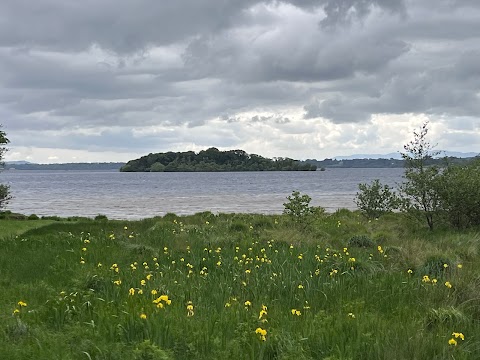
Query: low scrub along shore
point(234, 286)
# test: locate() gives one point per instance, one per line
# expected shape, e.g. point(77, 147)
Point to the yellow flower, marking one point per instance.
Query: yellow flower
point(410, 271)
point(142, 282)
point(459, 266)
point(149, 276)
point(448, 284)
point(227, 304)
point(16, 311)
point(434, 281)
point(190, 309)
point(140, 292)
point(425, 279)
point(300, 257)
point(262, 333)
point(445, 266)
point(300, 286)
point(262, 314)
point(248, 303)
point(131, 291)
point(248, 271)
point(296, 312)
point(458, 335)
point(351, 315)
point(143, 316)
point(117, 282)
point(153, 292)
point(352, 260)
point(452, 341)
point(22, 303)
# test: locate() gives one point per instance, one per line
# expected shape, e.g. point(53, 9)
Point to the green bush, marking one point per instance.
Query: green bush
point(101, 217)
point(459, 193)
point(437, 266)
point(361, 241)
point(376, 199)
point(298, 208)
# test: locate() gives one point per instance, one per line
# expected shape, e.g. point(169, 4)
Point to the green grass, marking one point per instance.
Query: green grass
point(10, 228)
point(98, 289)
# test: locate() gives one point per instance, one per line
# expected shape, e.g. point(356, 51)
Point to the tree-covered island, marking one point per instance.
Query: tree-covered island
point(212, 159)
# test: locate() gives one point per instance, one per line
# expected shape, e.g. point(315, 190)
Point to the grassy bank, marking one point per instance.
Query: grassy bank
point(240, 287)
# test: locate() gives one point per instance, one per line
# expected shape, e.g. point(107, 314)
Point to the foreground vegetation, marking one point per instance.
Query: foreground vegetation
point(294, 286)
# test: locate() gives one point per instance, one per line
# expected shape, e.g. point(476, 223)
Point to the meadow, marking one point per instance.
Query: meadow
point(237, 286)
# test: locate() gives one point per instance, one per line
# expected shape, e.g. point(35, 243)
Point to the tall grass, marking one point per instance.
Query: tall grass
point(240, 286)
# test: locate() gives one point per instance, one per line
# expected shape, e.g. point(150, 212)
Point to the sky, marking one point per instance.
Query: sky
point(112, 80)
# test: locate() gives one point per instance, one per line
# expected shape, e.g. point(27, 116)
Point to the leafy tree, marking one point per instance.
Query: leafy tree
point(376, 199)
point(459, 192)
point(4, 189)
point(157, 167)
point(419, 190)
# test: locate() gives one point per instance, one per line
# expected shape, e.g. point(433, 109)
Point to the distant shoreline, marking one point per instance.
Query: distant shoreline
point(320, 164)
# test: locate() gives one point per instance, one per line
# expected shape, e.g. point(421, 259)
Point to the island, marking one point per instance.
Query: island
point(211, 160)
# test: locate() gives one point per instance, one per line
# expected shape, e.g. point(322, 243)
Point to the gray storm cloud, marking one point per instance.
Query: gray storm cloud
point(81, 65)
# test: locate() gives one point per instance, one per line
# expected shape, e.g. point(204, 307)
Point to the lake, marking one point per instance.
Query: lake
point(140, 195)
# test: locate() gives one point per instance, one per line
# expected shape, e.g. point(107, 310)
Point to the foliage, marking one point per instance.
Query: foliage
point(421, 176)
point(213, 160)
point(459, 193)
point(361, 241)
point(376, 199)
point(298, 208)
point(5, 196)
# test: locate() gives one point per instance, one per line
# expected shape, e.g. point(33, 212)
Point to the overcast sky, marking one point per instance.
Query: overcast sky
point(111, 80)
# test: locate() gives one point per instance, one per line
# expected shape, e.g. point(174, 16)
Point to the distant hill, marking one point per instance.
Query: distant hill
point(398, 156)
point(378, 163)
point(19, 165)
point(213, 160)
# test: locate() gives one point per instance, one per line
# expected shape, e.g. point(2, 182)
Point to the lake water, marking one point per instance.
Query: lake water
point(140, 195)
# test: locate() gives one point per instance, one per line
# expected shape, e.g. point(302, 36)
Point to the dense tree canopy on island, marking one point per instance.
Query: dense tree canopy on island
point(213, 159)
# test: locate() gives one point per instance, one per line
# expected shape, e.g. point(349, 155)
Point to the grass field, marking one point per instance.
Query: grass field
point(238, 287)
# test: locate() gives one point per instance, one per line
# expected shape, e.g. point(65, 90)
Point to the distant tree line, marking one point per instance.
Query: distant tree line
point(212, 159)
point(382, 163)
point(67, 166)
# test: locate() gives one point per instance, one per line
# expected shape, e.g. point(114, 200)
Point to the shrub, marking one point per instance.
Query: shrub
point(148, 351)
point(101, 217)
point(33, 217)
point(459, 192)
point(361, 241)
point(298, 208)
point(376, 199)
point(436, 266)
